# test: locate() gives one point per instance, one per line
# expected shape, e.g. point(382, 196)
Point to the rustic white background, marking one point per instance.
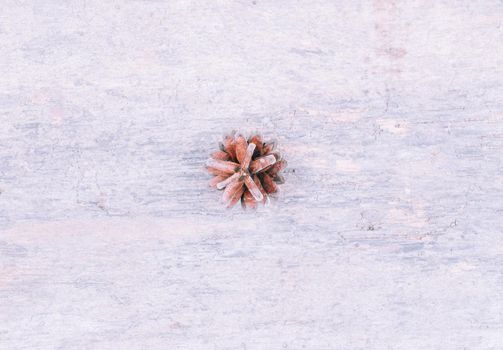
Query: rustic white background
point(388, 233)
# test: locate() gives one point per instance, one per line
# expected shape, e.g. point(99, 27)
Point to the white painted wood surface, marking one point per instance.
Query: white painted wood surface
point(387, 234)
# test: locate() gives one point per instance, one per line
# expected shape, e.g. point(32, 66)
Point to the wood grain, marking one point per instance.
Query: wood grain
point(387, 233)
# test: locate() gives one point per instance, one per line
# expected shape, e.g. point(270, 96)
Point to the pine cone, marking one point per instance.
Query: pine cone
point(248, 170)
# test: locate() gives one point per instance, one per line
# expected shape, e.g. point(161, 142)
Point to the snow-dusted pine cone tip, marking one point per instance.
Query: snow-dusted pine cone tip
point(247, 170)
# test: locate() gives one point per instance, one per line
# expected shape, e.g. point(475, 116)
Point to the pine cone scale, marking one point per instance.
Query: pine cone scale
point(220, 155)
point(241, 146)
point(254, 190)
point(223, 165)
point(268, 183)
point(262, 163)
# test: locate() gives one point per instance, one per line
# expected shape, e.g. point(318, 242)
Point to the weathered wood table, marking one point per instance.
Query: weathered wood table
point(388, 233)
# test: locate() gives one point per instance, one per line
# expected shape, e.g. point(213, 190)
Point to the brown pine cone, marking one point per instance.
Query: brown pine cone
point(248, 170)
